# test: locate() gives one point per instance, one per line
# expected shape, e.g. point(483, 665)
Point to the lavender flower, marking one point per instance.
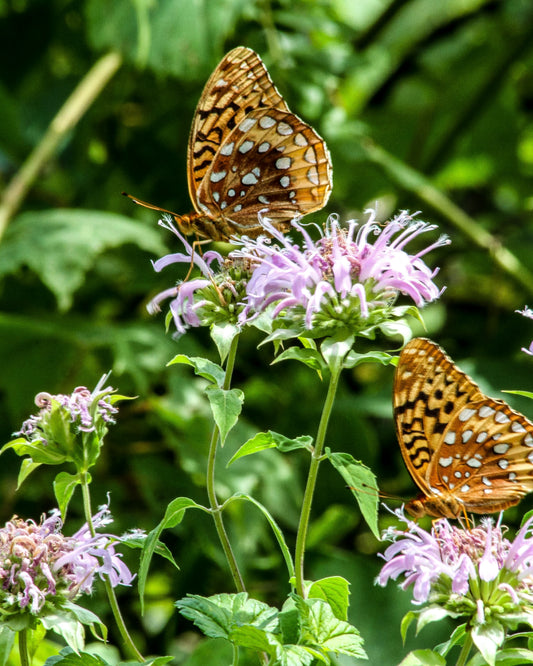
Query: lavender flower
point(342, 279)
point(527, 312)
point(217, 297)
point(41, 569)
point(476, 573)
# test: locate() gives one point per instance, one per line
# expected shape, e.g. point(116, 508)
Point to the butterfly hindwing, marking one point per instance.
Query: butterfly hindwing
point(464, 450)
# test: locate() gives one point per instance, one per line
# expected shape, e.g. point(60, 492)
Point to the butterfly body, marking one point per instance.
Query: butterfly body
point(248, 155)
point(467, 452)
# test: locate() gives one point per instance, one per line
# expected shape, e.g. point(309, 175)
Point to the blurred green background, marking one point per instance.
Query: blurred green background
point(424, 106)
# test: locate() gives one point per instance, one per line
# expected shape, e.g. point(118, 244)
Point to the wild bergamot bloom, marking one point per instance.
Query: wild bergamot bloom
point(527, 312)
point(474, 573)
point(350, 278)
point(215, 298)
point(41, 569)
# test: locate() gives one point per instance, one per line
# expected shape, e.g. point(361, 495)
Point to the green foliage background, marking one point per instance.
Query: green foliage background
point(424, 106)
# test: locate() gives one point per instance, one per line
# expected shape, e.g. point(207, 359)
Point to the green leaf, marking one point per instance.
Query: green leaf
point(353, 358)
point(309, 357)
point(423, 658)
point(335, 590)
point(202, 367)
point(271, 440)
point(7, 638)
point(407, 620)
point(275, 529)
point(173, 516)
point(223, 335)
point(336, 349)
point(64, 486)
point(74, 238)
point(27, 466)
point(456, 638)
point(254, 638)
point(226, 406)
point(362, 483)
point(67, 657)
point(40, 454)
point(217, 616)
point(431, 614)
point(525, 394)
point(488, 638)
point(331, 634)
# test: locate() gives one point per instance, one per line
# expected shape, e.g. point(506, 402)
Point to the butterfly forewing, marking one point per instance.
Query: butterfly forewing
point(462, 448)
point(239, 84)
point(271, 162)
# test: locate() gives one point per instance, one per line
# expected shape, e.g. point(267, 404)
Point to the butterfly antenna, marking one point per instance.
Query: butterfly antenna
point(145, 204)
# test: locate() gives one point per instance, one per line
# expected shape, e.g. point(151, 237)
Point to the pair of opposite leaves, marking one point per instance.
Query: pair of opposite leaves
point(248, 153)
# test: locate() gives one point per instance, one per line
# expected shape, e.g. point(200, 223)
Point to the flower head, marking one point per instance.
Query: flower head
point(68, 427)
point(475, 572)
point(343, 279)
point(40, 568)
point(527, 312)
point(216, 297)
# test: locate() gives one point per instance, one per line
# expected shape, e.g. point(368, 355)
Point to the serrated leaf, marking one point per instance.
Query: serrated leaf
point(64, 486)
point(202, 367)
point(173, 516)
point(271, 440)
point(362, 483)
point(331, 634)
point(423, 658)
point(226, 406)
point(335, 590)
point(85, 233)
point(254, 638)
point(67, 657)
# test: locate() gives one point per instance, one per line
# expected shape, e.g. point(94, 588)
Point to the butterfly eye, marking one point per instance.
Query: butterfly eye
point(467, 452)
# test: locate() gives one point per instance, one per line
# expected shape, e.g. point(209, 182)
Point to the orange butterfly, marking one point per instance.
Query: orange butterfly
point(248, 154)
point(464, 450)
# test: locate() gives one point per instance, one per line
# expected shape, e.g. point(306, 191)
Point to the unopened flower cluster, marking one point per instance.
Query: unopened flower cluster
point(40, 568)
point(85, 410)
point(350, 277)
point(474, 572)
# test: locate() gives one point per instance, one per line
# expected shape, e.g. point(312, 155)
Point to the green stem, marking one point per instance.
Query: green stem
point(24, 652)
point(66, 118)
point(415, 182)
point(111, 596)
point(211, 492)
point(465, 650)
point(305, 514)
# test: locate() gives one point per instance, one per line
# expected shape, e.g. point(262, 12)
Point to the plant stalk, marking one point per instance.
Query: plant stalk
point(210, 482)
point(24, 652)
point(66, 118)
point(305, 513)
point(111, 596)
point(465, 650)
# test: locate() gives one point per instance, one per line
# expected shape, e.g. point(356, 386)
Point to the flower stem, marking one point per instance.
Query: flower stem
point(305, 513)
point(24, 652)
point(211, 492)
point(111, 596)
point(465, 650)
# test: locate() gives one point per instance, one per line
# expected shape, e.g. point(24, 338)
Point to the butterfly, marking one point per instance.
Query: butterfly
point(464, 450)
point(248, 153)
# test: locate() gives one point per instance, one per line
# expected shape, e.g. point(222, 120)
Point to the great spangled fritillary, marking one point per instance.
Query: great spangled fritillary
point(248, 153)
point(464, 450)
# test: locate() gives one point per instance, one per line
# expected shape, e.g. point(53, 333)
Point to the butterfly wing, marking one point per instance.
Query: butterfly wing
point(273, 162)
point(485, 457)
point(429, 389)
point(239, 84)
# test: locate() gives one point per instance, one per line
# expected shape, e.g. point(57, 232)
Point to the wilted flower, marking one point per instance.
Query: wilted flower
point(217, 297)
point(475, 572)
point(342, 279)
point(527, 312)
point(41, 569)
